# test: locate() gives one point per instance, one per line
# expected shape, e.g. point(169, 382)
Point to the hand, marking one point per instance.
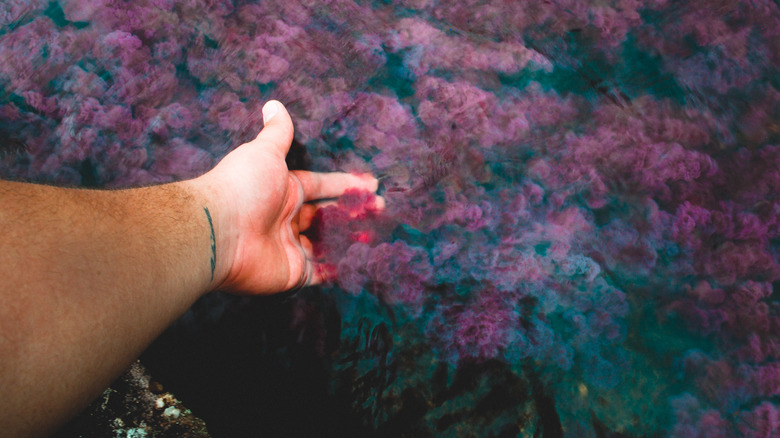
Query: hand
point(260, 207)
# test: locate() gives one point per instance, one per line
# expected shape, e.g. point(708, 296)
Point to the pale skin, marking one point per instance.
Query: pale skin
point(90, 278)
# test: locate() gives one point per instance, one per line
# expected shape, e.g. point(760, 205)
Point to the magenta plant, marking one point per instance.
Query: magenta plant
point(585, 192)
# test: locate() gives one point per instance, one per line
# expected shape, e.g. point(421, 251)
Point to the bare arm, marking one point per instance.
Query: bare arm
point(90, 277)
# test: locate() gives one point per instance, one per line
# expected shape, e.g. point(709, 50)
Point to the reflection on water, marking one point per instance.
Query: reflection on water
point(583, 230)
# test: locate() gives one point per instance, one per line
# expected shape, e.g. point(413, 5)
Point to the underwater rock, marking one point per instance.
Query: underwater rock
point(135, 406)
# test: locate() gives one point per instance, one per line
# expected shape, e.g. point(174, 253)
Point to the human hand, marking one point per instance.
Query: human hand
point(259, 209)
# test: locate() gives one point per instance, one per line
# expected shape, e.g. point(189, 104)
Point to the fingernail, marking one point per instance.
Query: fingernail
point(270, 109)
point(373, 183)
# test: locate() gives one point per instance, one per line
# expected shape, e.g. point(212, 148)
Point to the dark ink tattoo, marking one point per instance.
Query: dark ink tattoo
point(213, 244)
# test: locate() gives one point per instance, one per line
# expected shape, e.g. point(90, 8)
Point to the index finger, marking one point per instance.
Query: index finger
point(332, 185)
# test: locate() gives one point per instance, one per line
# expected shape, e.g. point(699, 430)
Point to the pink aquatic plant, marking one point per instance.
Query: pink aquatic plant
point(585, 192)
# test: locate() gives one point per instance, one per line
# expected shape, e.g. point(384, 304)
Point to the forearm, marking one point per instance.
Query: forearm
point(90, 278)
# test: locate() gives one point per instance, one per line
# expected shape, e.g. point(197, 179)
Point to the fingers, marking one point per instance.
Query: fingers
point(310, 273)
point(277, 136)
point(315, 273)
point(379, 203)
point(310, 276)
point(309, 211)
point(332, 185)
point(306, 216)
point(277, 133)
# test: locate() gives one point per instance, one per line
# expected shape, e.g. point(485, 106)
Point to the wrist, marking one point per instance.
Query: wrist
point(217, 223)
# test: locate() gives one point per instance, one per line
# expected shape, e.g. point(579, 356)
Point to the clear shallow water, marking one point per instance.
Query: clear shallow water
point(582, 228)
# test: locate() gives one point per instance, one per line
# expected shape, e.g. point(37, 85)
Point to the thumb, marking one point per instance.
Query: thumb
point(277, 133)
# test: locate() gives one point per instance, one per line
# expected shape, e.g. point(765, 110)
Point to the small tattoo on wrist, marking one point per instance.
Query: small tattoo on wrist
point(213, 244)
